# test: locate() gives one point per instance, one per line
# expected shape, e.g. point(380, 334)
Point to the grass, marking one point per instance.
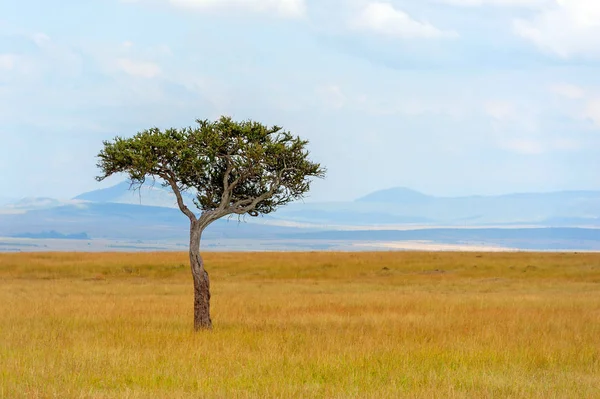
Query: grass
point(288, 325)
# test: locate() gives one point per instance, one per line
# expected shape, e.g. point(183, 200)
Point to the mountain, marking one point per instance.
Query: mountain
point(467, 211)
point(402, 206)
point(110, 194)
point(560, 220)
point(125, 221)
point(31, 203)
point(34, 203)
point(112, 226)
point(149, 194)
point(398, 195)
point(53, 235)
point(565, 208)
point(397, 207)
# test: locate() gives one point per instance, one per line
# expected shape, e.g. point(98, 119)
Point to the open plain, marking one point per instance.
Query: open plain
point(321, 324)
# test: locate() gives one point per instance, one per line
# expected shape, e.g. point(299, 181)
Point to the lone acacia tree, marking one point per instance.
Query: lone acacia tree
point(233, 168)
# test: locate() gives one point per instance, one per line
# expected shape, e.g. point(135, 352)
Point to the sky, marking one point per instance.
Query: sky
point(448, 97)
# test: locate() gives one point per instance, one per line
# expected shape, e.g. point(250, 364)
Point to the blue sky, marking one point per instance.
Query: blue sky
point(449, 97)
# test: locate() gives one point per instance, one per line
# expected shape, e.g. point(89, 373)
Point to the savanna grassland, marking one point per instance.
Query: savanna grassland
point(333, 325)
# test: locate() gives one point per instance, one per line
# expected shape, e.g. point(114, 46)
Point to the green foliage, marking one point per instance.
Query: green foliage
point(233, 167)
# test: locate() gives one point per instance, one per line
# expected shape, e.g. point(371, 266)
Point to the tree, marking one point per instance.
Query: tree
point(232, 168)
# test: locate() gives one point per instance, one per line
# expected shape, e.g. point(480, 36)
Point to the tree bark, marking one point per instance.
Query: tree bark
point(202, 319)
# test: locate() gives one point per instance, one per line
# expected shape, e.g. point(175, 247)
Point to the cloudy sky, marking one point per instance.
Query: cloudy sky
point(448, 97)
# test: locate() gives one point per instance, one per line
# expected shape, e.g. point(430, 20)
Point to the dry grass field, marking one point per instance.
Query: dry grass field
point(296, 325)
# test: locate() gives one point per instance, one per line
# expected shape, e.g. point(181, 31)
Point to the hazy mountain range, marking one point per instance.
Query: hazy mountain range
point(562, 220)
point(402, 206)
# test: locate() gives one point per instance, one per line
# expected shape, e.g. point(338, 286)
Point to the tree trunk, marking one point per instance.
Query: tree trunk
point(202, 319)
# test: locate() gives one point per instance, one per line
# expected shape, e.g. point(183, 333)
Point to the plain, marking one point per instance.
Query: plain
point(322, 324)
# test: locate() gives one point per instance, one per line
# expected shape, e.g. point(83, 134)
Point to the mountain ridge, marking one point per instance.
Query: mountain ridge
point(149, 194)
point(154, 206)
point(121, 193)
point(375, 196)
point(116, 214)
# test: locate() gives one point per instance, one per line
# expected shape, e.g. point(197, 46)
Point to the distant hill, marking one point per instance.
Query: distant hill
point(150, 194)
point(33, 203)
point(110, 194)
point(560, 220)
point(398, 195)
point(403, 206)
point(125, 224)
point(559, 209)
point(53, 235)
point(386, 208)
point(125, 221)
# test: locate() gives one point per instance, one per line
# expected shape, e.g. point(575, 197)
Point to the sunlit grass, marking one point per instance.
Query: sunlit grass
point(338, 325)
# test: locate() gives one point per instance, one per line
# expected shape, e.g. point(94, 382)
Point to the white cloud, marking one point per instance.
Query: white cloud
point(382, 18)
point(7, 61)
point(332, 96)
point(568, 91)
point(565, 144)
point(583, 104)
point(500, 110)
point(519, 128)
point(499, 3)
point(525, 146)
point(566, 28)
point(37, 62)
point(283, 8)
point(592, 112)
point(41, 40)
point(539, 145)
point(140, 69)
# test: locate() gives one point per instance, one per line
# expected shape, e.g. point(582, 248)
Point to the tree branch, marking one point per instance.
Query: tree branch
point(208, 217)
point(227, 189)
point(240, 207)
point(172, 182)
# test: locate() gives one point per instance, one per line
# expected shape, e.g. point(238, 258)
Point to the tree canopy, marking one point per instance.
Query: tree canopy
point(232, 167)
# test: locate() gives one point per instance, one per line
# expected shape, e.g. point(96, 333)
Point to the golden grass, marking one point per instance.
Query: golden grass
point(338, 325)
